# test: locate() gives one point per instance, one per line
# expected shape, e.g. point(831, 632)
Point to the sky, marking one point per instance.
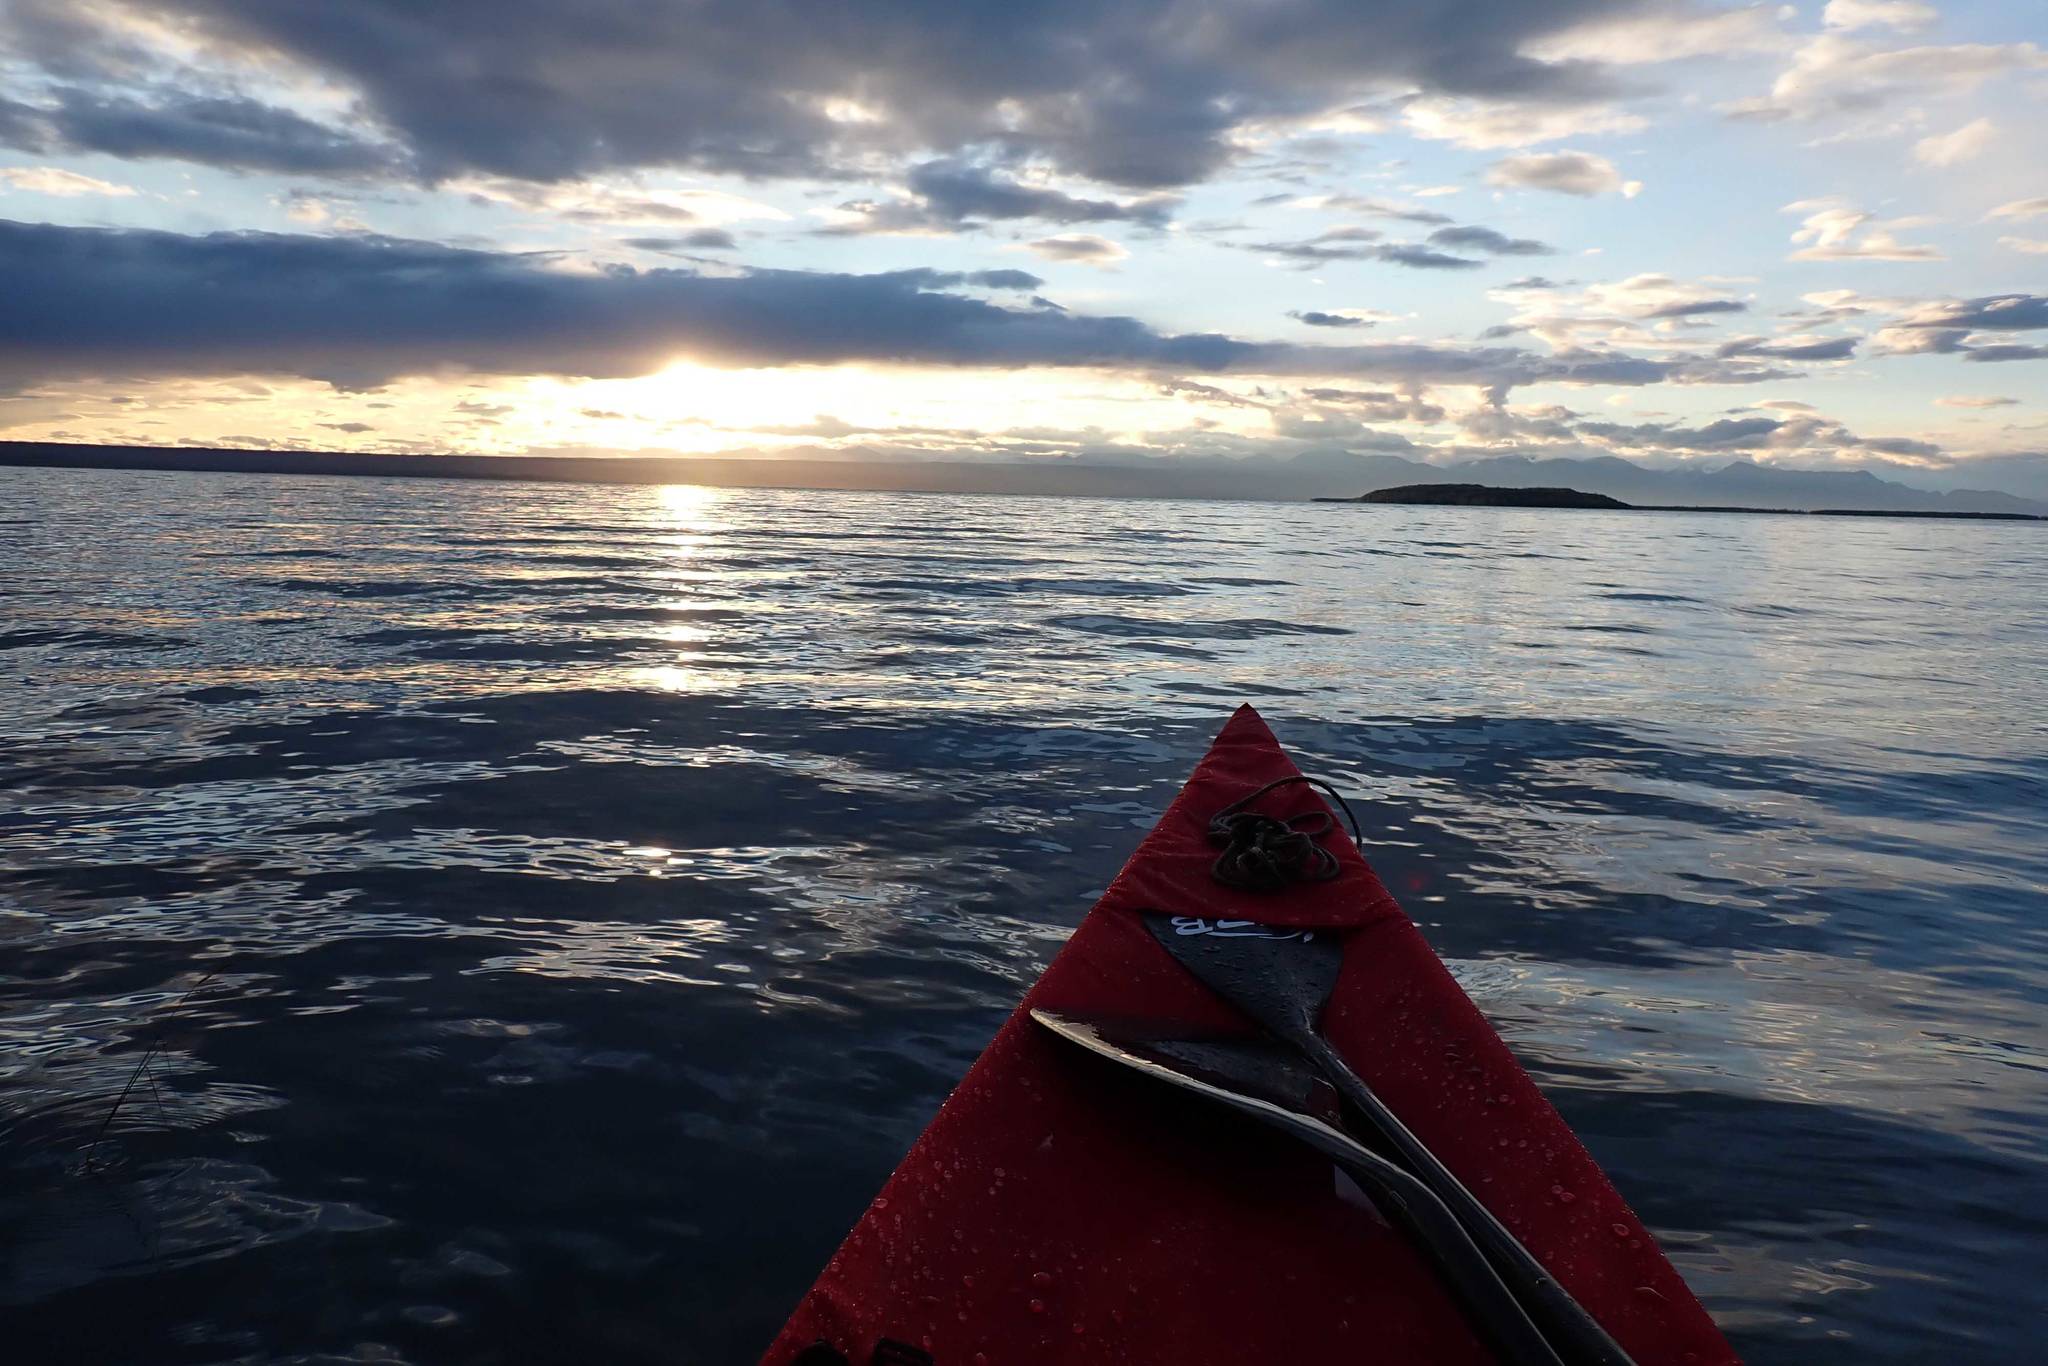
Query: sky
point(1085, 230)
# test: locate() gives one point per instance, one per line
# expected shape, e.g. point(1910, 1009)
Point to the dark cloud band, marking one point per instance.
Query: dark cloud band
point(359, 311)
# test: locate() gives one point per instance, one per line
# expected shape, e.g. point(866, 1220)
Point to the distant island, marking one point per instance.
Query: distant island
point(1488, 496)
point(1485, 496)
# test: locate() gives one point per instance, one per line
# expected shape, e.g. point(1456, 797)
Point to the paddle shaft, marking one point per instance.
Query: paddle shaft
point(1583, 1340)
point(1472, 1279)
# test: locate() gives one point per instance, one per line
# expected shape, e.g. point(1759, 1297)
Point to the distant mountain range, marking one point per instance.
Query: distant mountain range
point(1322, 474)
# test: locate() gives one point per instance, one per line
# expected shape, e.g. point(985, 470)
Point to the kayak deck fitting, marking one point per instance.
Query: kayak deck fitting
point(1062, 1209)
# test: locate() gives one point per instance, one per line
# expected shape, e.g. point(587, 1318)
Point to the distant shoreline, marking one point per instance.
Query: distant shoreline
point(1042, 479)
point(1486, 496)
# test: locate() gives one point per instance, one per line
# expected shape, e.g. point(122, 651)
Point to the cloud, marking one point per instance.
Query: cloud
point(1361, 244)
point(1084, 248)
point(700, 239)
point(1377, 405)
point(1905, 15)
point(958, 190)
point(1665, 33)
point(1990, 312)
point(1728, 433)
point(1487, 240)
point(229, 131)
point(1490, 124)
point(1967, 327)
point(947, 195)
point(1833, 74)
point(352, 428)
point(1838, 231)
point(1578, 173)
point(1366, 207)
point(2021, 209)
point(2032, 246)
point(618, 203)
point(1951, 149)
point(54, 180)
point(1974, 401)
point(1145, 94)
point(1530, 282)
point(1694, 308)
point(1791, 348)
point(358, 311)
point(2003, 351)
point(1314, 318)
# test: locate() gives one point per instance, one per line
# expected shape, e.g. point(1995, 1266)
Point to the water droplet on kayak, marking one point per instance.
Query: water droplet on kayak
point(1565, 1197)
point(1041, 1278)
point(1620, 1230)
point(1079, 1329)
point(967, 1281)
point(981, 1359)
point(1000, 1173)
point(1038, 1306)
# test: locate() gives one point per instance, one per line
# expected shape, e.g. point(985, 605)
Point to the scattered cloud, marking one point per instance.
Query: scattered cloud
point(1366, 207)
point(1084, 248)
point(1666, 33)
point(1489, 241)
point(229, 131)
point(1576, 173)
point(1905, 15)
point(2021, 209)
point(1835, 230)
point(1974, 401)
point(1834, 74)
point(946, 195)
point(54, 180)
point(1971, 328)
point(698, 239)
point(1695, 308)
point(1488, 125)
point(1360, 244)
point(2032, 246)
point(1951, 149)
point(619, 203)
point(1345, 317)
point(1790, 348)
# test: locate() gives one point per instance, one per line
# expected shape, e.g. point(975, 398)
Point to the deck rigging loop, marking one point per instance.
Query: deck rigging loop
point(1262, 853)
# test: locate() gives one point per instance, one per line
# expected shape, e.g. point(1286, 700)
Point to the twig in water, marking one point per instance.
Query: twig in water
point(141, 1070)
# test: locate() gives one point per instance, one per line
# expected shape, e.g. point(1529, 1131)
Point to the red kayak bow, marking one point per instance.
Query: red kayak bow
point(1058, 1211)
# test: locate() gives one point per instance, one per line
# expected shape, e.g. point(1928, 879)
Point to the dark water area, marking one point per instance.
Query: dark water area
point(554, 909)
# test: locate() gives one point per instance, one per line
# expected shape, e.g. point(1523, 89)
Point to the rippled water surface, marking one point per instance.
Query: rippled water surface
point(554, 909)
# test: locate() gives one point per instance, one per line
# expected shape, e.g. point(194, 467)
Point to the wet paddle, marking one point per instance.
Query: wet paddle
point(1282, 979)
point(1276, 1088)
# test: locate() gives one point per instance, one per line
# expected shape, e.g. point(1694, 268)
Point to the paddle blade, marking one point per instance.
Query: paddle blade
point(1275, 1075)
point(1279, 977)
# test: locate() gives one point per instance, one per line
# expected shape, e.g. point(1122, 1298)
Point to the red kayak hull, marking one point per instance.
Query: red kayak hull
point(1061, 1210)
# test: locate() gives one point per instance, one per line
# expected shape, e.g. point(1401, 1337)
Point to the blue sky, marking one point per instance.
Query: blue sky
point(1809, 234)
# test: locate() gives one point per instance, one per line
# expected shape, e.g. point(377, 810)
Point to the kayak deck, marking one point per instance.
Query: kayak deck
point(1059, 1210)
